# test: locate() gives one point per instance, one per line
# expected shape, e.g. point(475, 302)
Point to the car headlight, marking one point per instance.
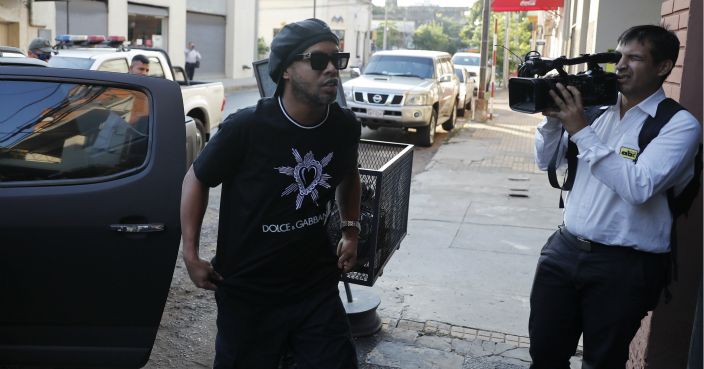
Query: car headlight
point(417, 99)
point(348, 94)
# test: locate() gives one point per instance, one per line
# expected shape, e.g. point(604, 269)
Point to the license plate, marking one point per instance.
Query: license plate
point(376, 113)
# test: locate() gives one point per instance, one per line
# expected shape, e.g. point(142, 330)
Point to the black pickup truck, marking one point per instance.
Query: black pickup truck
point(91, 165)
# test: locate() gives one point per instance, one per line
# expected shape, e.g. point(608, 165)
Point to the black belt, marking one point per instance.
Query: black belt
point(588, 245)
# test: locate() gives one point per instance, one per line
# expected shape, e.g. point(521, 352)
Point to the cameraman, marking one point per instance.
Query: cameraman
point(605, 267)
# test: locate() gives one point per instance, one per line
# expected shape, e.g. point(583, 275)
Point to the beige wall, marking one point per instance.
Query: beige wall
point(241, 36)
point(19, 25)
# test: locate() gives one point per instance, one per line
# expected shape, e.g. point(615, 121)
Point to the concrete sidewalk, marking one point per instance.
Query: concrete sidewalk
point(455, 295)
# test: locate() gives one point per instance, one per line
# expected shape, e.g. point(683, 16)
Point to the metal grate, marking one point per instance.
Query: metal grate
point(385, 172)
point(397, 99)
point(359, 97)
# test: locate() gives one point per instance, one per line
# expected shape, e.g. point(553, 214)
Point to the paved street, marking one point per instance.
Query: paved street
point(455, 295)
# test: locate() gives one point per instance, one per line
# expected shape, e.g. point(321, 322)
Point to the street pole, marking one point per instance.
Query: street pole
point(481, 113)
point(507, 54)
point(314, 1)
point(386, 25)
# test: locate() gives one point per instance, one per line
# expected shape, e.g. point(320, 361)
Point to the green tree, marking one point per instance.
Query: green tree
point(394, 40)
point(262, 47)
point(471, 33)
point(431, 37)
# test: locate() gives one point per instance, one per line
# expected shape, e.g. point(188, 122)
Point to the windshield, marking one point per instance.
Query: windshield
point(466, 60)
point(68, 62)
point(396, 65)
point(459, 74)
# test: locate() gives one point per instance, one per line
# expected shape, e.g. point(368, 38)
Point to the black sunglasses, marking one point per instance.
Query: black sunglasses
point(320, 60)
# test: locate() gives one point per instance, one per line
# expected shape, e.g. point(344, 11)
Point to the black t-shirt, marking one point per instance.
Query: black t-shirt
point(277, 179)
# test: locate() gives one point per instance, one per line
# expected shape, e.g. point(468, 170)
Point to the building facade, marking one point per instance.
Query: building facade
point(225, 32)
point(349, 19)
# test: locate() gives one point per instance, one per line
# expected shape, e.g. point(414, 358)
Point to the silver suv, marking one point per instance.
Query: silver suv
point(406, 89)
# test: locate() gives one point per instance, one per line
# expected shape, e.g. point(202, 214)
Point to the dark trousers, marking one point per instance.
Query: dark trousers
point(602, 293)
point(315, 330)
point(190, 70)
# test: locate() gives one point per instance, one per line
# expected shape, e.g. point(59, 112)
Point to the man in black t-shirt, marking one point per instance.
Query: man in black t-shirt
point(280, 163)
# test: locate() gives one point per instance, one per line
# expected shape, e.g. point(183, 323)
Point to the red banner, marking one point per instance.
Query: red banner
point(524, 5)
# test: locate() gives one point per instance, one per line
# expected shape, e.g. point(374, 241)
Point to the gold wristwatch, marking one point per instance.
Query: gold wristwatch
point(350, 223)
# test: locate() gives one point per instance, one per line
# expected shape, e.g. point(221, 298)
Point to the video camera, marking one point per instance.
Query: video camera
point(528, 94)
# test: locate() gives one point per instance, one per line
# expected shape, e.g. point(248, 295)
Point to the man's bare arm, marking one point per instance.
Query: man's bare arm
point(348, 201)
point(194, 202)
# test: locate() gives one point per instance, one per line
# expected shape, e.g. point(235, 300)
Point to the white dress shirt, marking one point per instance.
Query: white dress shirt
point(192, 56)
point(615, 200)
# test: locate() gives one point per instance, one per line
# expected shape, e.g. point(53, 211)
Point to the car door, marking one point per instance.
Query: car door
point(90, 175)
point(447, 85)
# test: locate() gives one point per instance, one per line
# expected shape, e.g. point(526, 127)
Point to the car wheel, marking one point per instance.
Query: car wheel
point(460, 111)
point(200, 136)
point(426, 135)
point(450, 123)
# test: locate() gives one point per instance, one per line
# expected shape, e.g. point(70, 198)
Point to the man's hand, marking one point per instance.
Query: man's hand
point(571, 111)
point(347, 250)
point(202, 274)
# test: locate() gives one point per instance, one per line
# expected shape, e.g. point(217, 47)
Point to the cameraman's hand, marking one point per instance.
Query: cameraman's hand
point(571, 112)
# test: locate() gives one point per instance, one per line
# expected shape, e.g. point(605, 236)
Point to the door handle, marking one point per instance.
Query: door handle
point(138, 228)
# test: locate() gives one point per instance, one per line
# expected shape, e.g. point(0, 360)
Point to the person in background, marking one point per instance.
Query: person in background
point(139, 65)
point(40, 48)
point(192, 60)
point(280, 164)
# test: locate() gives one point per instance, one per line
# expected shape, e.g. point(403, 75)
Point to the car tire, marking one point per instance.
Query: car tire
point(201, 135)
point(450, 123)
point(426, 135)
point(460, 111)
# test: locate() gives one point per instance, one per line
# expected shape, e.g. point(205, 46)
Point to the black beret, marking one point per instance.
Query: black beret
point(293, 39)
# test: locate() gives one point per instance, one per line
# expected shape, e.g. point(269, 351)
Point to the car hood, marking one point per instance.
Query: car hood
point(389, 83)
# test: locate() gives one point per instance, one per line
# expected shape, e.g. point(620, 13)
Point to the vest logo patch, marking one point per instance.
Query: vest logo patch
point(628, 153)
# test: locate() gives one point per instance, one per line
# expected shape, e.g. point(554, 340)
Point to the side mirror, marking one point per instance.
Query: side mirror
point(472, 74)
point(445, 78)
point(355, 72)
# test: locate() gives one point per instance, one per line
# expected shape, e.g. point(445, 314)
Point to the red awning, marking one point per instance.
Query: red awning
point(524, 5)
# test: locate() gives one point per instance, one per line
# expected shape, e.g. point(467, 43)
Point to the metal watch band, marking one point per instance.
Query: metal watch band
point(350, 223)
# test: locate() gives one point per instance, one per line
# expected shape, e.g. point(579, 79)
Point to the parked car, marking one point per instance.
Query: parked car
point(202, 101)
point(406, 89)
point(91, 165)
point(471, 62)
point(466, 96)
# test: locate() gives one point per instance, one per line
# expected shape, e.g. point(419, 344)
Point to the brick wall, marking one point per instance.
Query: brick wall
point(675, 17)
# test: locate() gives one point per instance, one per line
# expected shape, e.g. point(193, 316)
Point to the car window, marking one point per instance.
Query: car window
point(446, 67)
point(115, 65)
point(459, 74)
point(466, 60)
point(438, 69)
point(155, 67)
point(399, 65)
point(56, 131)
point(58, 61)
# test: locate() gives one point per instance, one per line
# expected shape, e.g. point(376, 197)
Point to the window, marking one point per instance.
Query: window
point(155, 67)
point(446, 67)
point(460, 74)
point(115, 65)
point(58, 61)
point(397, 65)
point(56, 131)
